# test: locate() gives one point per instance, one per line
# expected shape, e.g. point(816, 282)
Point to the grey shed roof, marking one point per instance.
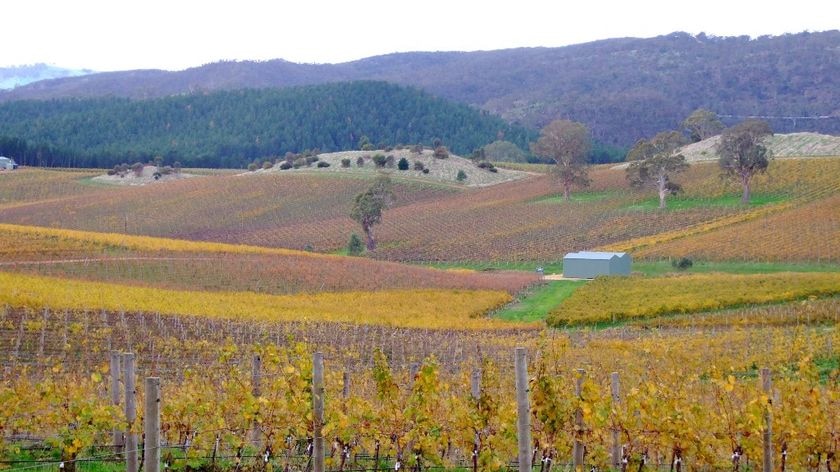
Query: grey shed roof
point(594, 255)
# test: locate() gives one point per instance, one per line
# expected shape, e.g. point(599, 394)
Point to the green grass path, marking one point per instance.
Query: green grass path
point(538, 301)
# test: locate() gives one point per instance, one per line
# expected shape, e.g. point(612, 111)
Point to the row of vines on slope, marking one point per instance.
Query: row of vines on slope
point(687, 393)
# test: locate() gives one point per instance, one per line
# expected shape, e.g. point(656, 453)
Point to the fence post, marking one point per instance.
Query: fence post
point(130, 412)
point(767, 387)
point(318, 411)
point(523, 409)
point(345, 389)
point(256, 391)
point(616, 399)
point(115, 400)
point(475, 383)
point(577, 451)
point(151, 425)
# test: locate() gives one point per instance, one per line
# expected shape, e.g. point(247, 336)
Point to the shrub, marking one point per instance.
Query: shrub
point(425, 170)
point(112, 171)
point(176, 166)
point(389, 148)
point(487, 165)
point(300, 162)
point(441, 152)
point(389, 161)
point(402, 164)
point(367, 147)
point(417, 149)
point(379, 160)
point(462, 176)
point(290, 157)
point(360, 161)
point(252, 167)
point(137, 168)
point(267, 165)
point(345, 163)
point(323, 164)
point(419, 165)
point(355, 246)
point(166, 170)
point(157, 175)
point(683, 263)
point(311, 158)
point(285, 165)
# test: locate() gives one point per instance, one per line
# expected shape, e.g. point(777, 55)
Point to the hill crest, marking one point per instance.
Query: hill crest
point(624, 89)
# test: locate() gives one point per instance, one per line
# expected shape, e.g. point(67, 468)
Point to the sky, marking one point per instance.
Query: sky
point(107, 35)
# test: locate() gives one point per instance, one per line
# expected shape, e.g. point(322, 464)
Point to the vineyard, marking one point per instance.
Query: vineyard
point(230, 291)
point(516, 221)
point(426, 398)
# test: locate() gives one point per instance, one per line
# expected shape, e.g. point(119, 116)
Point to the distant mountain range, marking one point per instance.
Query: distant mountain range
point(623, 89)
point(11, 77)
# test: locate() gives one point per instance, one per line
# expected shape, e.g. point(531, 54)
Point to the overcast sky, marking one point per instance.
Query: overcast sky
point(176, 34)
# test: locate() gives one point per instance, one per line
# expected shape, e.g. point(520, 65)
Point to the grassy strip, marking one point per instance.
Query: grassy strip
point(686, 203)
point(432, 309)
point(539, 301)
point(614, 299)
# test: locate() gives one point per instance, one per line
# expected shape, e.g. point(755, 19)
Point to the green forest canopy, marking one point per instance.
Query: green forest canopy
point(232, 128)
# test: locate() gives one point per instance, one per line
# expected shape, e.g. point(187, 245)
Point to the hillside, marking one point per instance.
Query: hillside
point(433, 169)
point(232, 128)
point(624, 89)
point(781, 145)
point(522, 220)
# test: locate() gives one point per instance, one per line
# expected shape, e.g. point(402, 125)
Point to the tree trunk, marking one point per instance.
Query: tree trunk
point(745, 182)
point(662, 187)
point(567, 190)
point(370, 240)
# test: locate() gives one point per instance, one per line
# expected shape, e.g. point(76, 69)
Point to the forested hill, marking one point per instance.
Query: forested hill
point(232, 128)
point(623, 89)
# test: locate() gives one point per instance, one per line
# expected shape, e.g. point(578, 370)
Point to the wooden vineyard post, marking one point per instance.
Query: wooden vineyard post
point(616, 399)
point(317, 412)
point(115, 400)
point(767, 388)
point(256, 391)
point(130, 412)
point(523, 409)
point(577, 450)
point(151, 425)
point(345, 389)
point(475, 384)
point(475, 392)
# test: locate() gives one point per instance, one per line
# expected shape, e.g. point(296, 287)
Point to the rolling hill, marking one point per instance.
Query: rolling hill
point(624, 89)
point(232, 128)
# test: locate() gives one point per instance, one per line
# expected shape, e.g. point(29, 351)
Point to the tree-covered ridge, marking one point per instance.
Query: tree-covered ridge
point(231, 128)
point(622, 89)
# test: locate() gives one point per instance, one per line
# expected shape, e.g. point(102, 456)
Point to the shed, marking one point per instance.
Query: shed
point(588, 265)
point(7, 163)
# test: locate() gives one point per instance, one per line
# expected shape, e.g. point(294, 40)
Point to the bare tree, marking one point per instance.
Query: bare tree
point(567, 143)
point(654, 162)
point(742, 154)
